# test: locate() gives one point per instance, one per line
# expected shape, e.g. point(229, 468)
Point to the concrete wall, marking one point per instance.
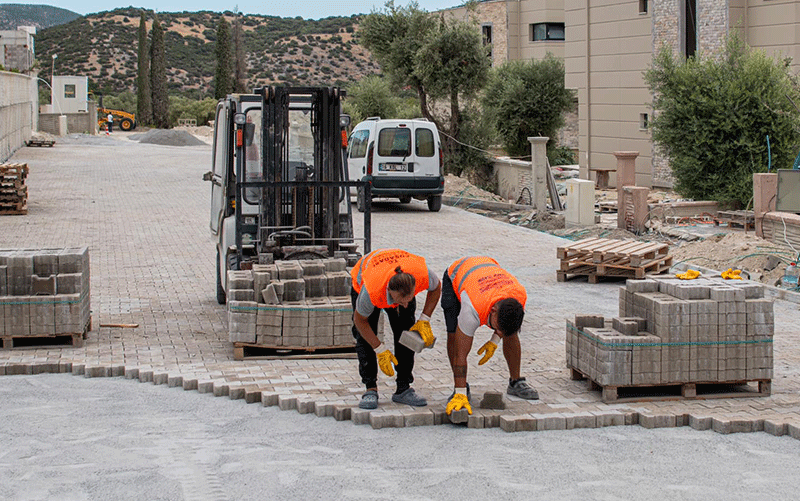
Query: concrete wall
point(19, 102)
point(77, 123)
point(16, 48)
point(512, 176)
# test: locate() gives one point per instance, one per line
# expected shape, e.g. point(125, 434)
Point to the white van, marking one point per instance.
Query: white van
point(401, 158)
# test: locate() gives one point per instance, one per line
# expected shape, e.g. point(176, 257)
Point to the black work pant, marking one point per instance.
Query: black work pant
point(400, 319)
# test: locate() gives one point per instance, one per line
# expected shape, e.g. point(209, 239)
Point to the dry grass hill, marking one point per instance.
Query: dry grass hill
point(290, 51)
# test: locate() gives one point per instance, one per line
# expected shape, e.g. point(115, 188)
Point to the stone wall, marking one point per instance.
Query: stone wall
point(512, 176)
point(19, 101)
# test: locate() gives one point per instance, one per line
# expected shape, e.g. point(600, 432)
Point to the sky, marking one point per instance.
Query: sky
point(308, 9)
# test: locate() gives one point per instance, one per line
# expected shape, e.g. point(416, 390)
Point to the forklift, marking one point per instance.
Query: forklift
point(280, 187)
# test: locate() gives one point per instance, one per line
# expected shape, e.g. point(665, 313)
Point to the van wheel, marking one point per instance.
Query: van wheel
point(435, 203)
point(221, 297)
point(405, 200)
point(361, 203)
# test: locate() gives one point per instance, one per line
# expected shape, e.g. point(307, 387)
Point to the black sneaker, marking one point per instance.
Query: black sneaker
point(522, 389)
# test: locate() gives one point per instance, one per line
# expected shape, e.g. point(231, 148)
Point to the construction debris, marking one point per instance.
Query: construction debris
point(603, 257)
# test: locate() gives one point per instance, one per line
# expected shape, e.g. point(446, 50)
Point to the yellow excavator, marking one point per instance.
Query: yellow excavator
point(122, 119)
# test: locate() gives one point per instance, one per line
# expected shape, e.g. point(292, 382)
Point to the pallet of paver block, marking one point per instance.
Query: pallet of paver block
point(744, 219)
point(250, 351)
point(677, 339)
point(44, 296)
point(13, 192)
point(73, 340)
point(603, 257)
point(40, 142)
point(676, 391)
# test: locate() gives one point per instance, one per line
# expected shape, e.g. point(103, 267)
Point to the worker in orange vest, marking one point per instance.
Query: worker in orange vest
point(388, 280)
point(477, 291)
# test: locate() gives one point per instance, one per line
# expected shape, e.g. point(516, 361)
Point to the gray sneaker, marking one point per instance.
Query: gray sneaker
point(409, 397)
point(369, 400)
point(522, 389)
point(469, 394)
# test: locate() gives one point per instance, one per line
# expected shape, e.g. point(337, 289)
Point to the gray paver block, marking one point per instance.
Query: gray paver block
point(236, 392)
point(287, 402)
point(221, 390)
point(359, 416)
point(205, 386)
point(386, 419)
point(341, 412)
point(493, 400)
point(460, 416)
point(269, 399)
point(775, 428)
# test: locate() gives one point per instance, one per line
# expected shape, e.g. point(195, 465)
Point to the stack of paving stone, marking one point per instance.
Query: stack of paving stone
point(291, 304)
point(13, 191)
point(672, 331)
point(44, 293)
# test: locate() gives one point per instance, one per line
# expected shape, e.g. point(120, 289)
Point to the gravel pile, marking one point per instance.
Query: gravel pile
point(167, 137)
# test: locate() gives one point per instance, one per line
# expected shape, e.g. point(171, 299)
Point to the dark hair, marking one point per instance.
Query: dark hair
point(509, 316)
point(401, 282)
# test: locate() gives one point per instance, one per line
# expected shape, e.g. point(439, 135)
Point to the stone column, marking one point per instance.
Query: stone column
point(539, 166)
point(765, 193)
point(626, 176)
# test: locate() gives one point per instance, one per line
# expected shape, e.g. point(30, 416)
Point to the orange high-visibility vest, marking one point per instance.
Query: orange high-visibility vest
point(485, 283)
point(374, 270)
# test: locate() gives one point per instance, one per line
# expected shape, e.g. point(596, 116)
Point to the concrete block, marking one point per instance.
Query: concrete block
point(261, 280)
point(476, 420)
point(240, 279)
point(339, 283)
point(293, 289)
point(341, 412)
point(312, 267)
point(241, 295)
point(360, 416)
point(419, 417)
point(289, 270)
point(775, 428)
point(334, 264)
point(493, 400)
point(316, 285)
point(583, 321)
point(386, 419)
point(41, 285)
point(287, 402)
point(460, 416)
point(413, 341)
point(550, 422)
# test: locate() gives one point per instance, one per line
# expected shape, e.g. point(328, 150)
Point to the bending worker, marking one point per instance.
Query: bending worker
point(477, 291)
point(389, 279)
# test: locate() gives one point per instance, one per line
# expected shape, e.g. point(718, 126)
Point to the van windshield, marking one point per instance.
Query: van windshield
point(394, 142)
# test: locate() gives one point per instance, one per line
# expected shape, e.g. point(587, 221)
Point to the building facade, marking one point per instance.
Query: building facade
point(16, 48)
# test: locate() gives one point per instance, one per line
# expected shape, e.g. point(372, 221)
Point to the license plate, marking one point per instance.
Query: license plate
point(392, 167)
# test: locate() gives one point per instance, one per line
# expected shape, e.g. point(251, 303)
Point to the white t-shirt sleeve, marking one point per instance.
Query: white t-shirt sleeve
point(433, 280)
point(364, 305)
point(468, 319)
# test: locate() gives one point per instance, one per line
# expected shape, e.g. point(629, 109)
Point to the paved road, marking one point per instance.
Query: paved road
point(143, 212)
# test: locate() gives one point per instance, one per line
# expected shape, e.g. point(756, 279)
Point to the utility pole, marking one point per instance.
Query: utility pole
point(53, 69)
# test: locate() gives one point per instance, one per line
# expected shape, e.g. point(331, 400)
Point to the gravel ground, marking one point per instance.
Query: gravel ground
point(72, 438)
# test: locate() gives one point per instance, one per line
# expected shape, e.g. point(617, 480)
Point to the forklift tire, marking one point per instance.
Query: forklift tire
point(405, 200)
point(221, 296)
point(361, 203)
point(435, 203)
point(126, 124)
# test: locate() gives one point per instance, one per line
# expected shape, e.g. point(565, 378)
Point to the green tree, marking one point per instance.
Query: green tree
point(453, 64)
point(144, 98)
point(713, 114)
point(239, 59)
point(395, 36)
point(223, 76)
point(372, 97)
point(158, 76)
point(525, 99)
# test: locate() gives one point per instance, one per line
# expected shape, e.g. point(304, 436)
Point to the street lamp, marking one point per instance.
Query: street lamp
point(53, 68)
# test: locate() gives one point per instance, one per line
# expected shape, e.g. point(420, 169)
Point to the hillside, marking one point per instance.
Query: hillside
point(279, 50)
point(13, 15)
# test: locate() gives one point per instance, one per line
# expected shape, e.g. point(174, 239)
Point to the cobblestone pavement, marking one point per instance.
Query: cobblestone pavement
point(143, 212)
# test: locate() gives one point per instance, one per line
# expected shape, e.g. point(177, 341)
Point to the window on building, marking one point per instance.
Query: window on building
point(642, 6)
point(69, 91)
point(690, 28)
point(547, 31)
point(644, 121)
point(486, 30)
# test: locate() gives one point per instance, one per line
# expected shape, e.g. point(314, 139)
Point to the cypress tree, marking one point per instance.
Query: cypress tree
point(223, 77)
point(240, 63)
point(158, 77)
point(144, 103)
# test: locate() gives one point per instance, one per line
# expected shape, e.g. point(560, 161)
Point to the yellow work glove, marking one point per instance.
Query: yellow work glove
point(689, 275)
point(731, 274)
point(487, 350)
point(386, 361)
point(423, 327)
point(458, 402)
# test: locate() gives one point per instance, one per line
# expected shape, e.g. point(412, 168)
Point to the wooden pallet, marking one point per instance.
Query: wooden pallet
point(14, 209)
point(41, 142)
point(744, 219)
point(610, 207)
point(252, 351)
point(603, 257)
point(57, 340)
point(678, 391)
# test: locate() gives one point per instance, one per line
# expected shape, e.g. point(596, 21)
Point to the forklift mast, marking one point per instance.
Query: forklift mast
point(300, 182)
